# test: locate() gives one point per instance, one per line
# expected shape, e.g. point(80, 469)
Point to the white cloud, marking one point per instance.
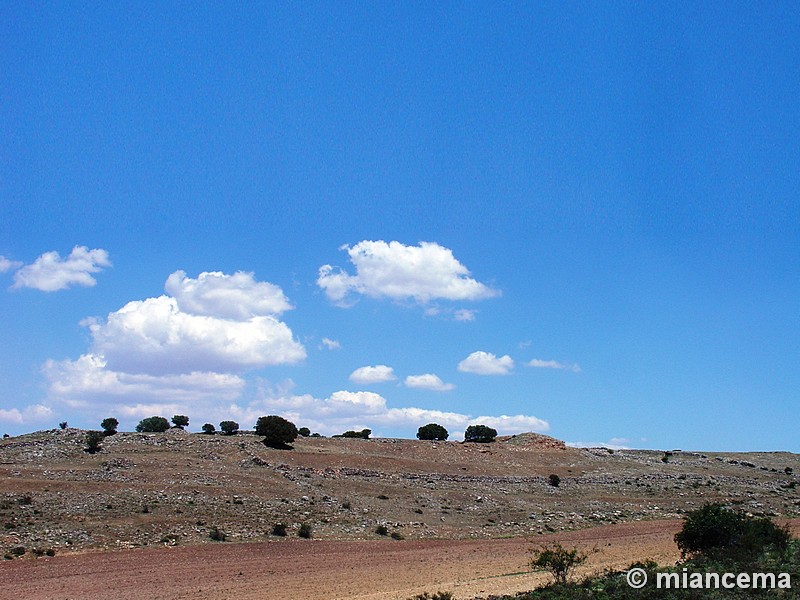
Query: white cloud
point(464, 314)
point(157, 353)
point(50, 272)
point(8, 265)
point(393, 270)
point(486, 363)
point(238, 296)
point(35, 413)
point(167, 335)
point(345, 410)
point(376, 374)
point(331, 344)
point(428, 381)
point(553, 364)
point(612, 445)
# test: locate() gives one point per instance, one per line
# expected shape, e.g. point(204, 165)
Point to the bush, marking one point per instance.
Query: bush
point(396, 535)
point(217, 534)
point(382, 530)
point(480, 433)
point(93, 439)
point(363, 434)
point(558, 560)
point(432, 431)
point(718, 533)
point(153, 425)
point(180, 421)
point(436, 596)
point(109, 426)
point(304, 431)
point(277, 431)
point(209, 429)
point(305, 531)
point(63, 424)
point(554, 480)
point(229, 427)
point(279, 529)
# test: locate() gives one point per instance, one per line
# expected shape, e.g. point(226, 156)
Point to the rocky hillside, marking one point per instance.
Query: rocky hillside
point(179, 488)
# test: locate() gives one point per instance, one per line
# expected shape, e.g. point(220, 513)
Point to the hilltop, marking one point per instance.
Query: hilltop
point(177, 487)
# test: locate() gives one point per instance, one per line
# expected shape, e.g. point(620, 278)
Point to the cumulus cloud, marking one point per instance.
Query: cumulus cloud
point(8, 265)
point(428, 381)
point(345, 410)
point(174, 352)
point(376, 374)
point(155, 336)
point(238, 296)
point(32, 414)
point(331, 344)
point(393, 270)
point(50, 272)
point(553, 364)
point(486, 363)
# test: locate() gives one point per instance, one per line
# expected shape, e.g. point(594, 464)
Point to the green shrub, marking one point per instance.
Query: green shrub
point(396, 535)
point(153, 425)
point(436, 596)
point(229, 427)
point(277, 431)
point(304, 431)
point(432, 431)
point(558, 560)
point(109, 426)
point(217, 534)
point(382, 530)
point(279, 529)
point(93, 439)
point(718, 533)
point(363, 434)
point(63, 425)
point(180, 421)
point(480, 433)
point(554, 480)
point(209, 429)
point(304, 531)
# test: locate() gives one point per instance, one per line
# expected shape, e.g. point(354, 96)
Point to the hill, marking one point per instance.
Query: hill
point(177, 488)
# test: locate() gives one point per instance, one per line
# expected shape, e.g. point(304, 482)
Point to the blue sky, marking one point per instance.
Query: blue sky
point(576, 219)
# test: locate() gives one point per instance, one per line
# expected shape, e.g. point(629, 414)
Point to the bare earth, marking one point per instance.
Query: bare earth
point(325, 570)
point(135, 519)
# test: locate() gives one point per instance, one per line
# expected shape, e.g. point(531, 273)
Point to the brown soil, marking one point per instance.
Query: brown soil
point(135, 518)
point(325, 570)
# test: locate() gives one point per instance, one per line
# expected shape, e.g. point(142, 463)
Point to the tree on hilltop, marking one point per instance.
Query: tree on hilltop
point(432, 431)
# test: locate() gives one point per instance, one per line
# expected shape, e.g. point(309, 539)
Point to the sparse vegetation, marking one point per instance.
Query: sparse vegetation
point(93, 440)
point(432, 431)
point(480, 433)
point(153, 425)
point(436, 596)
point(229, 427)
point(559, 561)
point(305, 531)
point(217, 535)
point(109, 426)
point(363, 434)
point(277, 431)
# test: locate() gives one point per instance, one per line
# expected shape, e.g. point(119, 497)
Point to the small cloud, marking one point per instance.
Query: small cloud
point(613, 444)
point(331, 344)
point(554, 364)
point(486, 363)
point(376, 374)
point(51, 273)
point(8, 265)
point(422, 273)
point(428, 381)
point(525, 344)
point(31, 414)
point(465, 314)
